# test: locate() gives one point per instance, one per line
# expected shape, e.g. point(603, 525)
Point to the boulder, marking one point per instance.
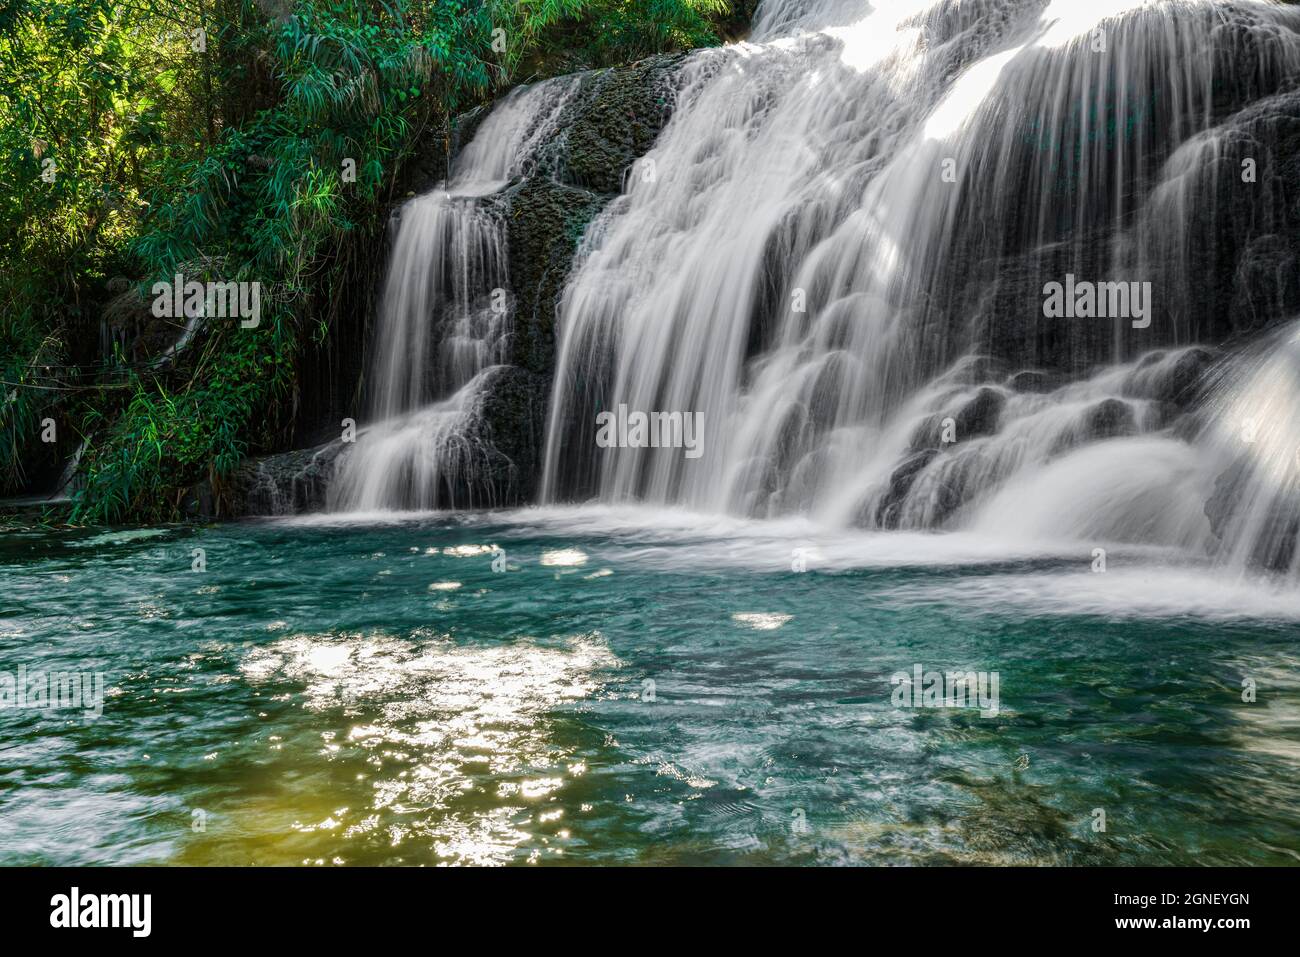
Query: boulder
point(1107, 419)
point(981, 415)
point(901, 480)
point(976, 416)
point(1175, 379)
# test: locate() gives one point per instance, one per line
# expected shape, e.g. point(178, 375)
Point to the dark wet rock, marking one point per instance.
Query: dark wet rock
point(545, 222)
point(805, 480)
point(888, 512)
point(981, 415)
point(503, 439)
point(902, 477)
point(945, 500)
point(1245, 277)
point(613, 122)
point(1035, 381)
point(1002, 301)
point(1241, 273)
point(824, 398)
point(976, 416)
point(512, 420)
point(1156, 416)
point(1107, 419)
point(1267, 282)
point(937, 493)
point(1222, 502)
point(928, 434)
point(1176, 379)
point(288, 483)
point(610, 121)
point(1185, 377)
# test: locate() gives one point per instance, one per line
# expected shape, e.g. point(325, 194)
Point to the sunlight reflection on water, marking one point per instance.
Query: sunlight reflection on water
point(454, 736)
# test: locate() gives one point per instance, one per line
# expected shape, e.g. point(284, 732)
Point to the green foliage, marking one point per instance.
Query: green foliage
point(220, 157)
point(602, 32)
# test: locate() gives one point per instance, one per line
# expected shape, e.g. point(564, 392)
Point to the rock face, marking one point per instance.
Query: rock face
point(545, 221)
point(1177, 378)
point(512, 422)
point(1222, 260)
point(610, 122)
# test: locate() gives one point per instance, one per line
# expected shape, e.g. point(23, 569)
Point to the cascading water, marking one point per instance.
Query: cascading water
point(839, 264)
point(1254, 440)
point(444, 322)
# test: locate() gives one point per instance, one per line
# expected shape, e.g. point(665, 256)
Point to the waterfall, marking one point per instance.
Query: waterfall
point(839, 265)
point(443, 323)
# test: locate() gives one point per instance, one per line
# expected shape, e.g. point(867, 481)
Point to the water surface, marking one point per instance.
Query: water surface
point(637, 688)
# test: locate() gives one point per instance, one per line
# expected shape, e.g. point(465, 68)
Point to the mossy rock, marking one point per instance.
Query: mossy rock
point(545, 222)
point(613, 122)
